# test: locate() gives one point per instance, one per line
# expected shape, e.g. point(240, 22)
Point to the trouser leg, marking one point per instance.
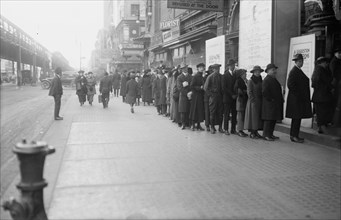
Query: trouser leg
point(234, 115)
point(226, 116)
point(267, 128)
point(57, 102)
point(295, 127)
point(240, 120)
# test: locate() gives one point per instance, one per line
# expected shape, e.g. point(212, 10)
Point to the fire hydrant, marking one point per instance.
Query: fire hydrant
point(31, 158)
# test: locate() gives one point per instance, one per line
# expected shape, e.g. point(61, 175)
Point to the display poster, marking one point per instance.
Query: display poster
point(306, 46)
point(171, 29)
point(215, 52)
point(209, 5)
point(255, 27)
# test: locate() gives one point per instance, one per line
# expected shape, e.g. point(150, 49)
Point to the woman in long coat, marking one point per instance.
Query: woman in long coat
point(253, 112)
point(146, 85)
point(91, 87)
point(132, 88)
point(124, 80)
point(175, 94)
point(196, 113)
point(322, 96)
point(168, 94)
point(81, 89)
point(163, 91)
point(298, 101)
point(241, 91)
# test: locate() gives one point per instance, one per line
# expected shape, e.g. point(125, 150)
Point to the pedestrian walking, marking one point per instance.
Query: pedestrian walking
point(124, 80)
point(298, 101)
point(321, 81)
point(253, 112)
point(183, 85)
point(138, 79)
point(105, 87)
point(241, 91)
point(157, 91)
point(81, 89)
point(197, 114)
point(132, 90)
point(206, 101)
point(272, 102)
point(116, 83)
point(213, 88)
point(56, 90)
point(229, 97)
point(91, 87)
point(146, 85)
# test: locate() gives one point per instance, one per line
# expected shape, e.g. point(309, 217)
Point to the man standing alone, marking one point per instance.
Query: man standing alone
point(56, 91)
point(105, 87)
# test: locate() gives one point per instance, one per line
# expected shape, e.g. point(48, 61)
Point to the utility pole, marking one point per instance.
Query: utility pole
point(80, 55)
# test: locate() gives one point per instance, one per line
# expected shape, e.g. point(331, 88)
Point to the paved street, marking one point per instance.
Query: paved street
point(25, 113)
point(111, 164)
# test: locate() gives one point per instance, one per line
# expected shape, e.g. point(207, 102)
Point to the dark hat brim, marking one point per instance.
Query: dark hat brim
point(272, 67)
point(260, 69)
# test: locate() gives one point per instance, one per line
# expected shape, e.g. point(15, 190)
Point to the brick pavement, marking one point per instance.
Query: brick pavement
point(111, 164)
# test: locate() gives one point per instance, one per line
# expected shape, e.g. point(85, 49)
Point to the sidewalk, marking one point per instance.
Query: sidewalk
point(111, 164)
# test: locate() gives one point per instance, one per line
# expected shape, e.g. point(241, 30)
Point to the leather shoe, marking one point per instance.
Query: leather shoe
point(268, 139)
point(208, 129)
point(274, 137)
point(183, 127)
point(233, 132)
point(258, 135)
point(200, 128)
point(297, 140)
point(58, 118)
point(227, 132)
point(253, 136)
point(241, 134)
point(193, 128)
point(220, 130)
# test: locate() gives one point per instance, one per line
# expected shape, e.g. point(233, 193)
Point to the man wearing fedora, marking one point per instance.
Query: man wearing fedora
point(183, 85)
point(298, 101)
point(229, 97)
point(56, 90)
point(213, 89)
point(272, 102)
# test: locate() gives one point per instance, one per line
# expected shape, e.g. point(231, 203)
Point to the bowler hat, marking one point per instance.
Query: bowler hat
point(240, 72)
point(297, 57)
point(337, 49)
point(270, 66)
point(257, 68)
point(231, 62)
point(201, 64)
point(215, 66)
point(321, 60)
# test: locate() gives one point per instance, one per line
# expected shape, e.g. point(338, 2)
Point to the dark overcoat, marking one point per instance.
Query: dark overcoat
point(241, 91)
point(196, 112)
point(81, 82)
point(298, 101)
point(228, 82)
point(91, 86)
point(169, 97)
point(56, 87)
point(213, 89)
point(116, 80)
point(183, 99)
point(163, 90)
point(272, 102)
point(321, 81)
point(124, 80)
point(132, 88)
point(139, 83)
point(146, 85)
point(253, 111)
point(156, 90)
point(105, 85)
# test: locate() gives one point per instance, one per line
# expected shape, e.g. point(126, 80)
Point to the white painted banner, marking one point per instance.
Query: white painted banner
point(215, 52)
point(254, 33)
point(306, 46)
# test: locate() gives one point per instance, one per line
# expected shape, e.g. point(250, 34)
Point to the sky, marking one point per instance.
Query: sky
point(69, 27)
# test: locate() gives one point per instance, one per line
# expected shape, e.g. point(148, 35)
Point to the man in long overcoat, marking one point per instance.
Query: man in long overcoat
point(169, 97)
point(272, 103)
point(183, 85)
point(56, 90)
point(197, 114)
point(116, 83)
point(321, 81)
point(175, 94)
point(335, 68)
point(157, 92)
point(124, 80)
point(206, 101)
point(213, 88)
point(298, 101)
point(229, 97)
point(146, 85)
point(105, 87)
point(132, 90)
point(163, 91)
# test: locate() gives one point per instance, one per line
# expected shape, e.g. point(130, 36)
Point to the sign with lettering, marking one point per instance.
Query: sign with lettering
point(164, 25)
point(215, 52)
point(304, 45)
point(131, 46)
point(204, 5)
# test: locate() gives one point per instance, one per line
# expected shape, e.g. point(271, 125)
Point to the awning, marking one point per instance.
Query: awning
point(191, 36)
point(155, 47)
point(143, 38)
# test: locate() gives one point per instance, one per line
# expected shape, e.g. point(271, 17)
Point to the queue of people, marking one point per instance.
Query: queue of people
point(230, 101)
